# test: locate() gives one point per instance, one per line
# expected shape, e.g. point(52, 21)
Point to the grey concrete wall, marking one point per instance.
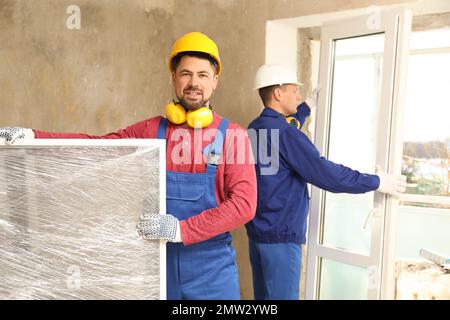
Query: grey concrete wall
point(106, 75)
point(112, 72)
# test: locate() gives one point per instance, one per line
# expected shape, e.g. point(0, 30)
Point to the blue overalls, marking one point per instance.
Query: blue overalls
point(205, 270)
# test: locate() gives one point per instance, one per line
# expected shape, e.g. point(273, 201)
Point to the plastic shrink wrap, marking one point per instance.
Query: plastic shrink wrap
point(68, 217)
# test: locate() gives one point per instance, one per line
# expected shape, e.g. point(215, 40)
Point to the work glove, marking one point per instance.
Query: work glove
point(311, 101)
point(392, 184)
point(159, 226)
point(11, 134)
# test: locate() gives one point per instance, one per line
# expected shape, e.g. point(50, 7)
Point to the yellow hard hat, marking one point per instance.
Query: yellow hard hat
point(197, 42)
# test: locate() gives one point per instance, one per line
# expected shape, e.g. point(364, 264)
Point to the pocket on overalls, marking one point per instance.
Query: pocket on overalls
point(182, 192)
point(184, 200)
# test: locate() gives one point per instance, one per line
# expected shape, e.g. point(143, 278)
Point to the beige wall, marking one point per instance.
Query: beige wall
point(106, 75)
point(113, 72)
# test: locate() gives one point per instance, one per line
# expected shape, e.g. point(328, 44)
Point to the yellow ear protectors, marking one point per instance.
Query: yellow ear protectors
point(175, 113)
point(197, 119)
point(293, 122)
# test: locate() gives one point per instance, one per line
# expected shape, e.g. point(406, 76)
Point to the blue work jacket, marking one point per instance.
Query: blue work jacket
point(283, 199)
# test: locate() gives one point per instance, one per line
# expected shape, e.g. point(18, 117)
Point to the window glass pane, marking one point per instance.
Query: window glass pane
point(352, 140)
point(424, 220)
point(430, 39)
point(340, 281)
point(427, 130)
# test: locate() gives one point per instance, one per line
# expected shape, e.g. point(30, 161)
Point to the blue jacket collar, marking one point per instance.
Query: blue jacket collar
point(267, 112)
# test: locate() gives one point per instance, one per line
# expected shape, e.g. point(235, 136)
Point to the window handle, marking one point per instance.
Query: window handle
point(372, 213)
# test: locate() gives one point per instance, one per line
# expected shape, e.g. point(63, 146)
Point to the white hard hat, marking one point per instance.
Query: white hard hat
point(275, 74)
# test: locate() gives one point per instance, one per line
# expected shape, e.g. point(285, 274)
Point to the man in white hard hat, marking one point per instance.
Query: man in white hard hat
point(279, 227)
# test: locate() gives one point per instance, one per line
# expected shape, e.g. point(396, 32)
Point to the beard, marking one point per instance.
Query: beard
point(193, 105)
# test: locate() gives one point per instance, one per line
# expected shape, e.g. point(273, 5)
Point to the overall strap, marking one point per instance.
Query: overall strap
point(162, 128)
point(216, 147)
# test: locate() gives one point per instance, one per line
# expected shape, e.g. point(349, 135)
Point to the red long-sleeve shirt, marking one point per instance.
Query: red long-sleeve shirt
point(235, 178)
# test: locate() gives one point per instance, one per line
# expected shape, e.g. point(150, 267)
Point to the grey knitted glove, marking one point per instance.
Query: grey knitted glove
point(159, 226)
point(11, 134)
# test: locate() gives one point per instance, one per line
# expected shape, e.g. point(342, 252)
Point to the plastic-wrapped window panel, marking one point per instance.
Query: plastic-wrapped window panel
point(68, 215)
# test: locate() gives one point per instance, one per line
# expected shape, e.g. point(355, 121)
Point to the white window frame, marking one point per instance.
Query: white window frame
point(395, 24)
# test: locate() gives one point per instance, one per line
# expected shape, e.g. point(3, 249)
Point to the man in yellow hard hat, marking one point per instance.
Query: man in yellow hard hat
point(210, 190)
